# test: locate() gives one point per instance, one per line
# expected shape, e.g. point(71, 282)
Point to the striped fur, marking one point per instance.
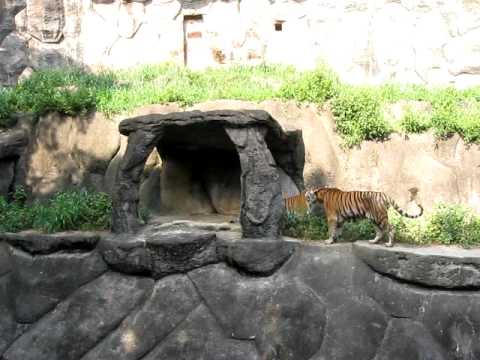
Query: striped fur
point(345, 205)
point(296, 204)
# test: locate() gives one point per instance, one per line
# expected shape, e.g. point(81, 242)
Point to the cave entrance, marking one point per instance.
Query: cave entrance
point(200, 175)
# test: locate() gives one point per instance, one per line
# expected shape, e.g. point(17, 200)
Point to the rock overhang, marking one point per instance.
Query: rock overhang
point(263, 148)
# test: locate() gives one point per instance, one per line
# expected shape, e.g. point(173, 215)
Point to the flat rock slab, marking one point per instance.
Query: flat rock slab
point(36, 243)
point(435, 266)
point(160, 252)
point(251, 256)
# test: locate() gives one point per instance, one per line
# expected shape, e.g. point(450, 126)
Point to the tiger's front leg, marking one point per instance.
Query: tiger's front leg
point(334, 230)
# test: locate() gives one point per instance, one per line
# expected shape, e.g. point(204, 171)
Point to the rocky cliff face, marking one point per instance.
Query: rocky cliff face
point(436, 42)
point(65, 151)
point(190, 294)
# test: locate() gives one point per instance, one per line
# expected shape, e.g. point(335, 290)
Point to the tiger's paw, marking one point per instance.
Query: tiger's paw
point(388, 244)
point(373, 241)
point(329, 241)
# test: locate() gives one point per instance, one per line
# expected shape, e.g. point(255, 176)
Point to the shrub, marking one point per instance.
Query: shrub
point(312, 86)
point(358, 116)
point(7, 108)
point(415, 121)
point(69, 210)
point(446, 224)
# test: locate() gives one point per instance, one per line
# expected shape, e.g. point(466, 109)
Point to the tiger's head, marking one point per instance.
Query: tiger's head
point(310, 197)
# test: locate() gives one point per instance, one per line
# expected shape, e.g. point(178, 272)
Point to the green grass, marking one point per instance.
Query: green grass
point(69, 210)
point(447, 224)
point(358, 110)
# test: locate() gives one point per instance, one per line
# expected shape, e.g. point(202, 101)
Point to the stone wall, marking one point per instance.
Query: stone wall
point(63, 152)
point(436, 42)
point(178, 294)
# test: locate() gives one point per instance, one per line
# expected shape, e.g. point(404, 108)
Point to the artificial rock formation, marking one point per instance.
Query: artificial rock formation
point(12, 151)
point(436, 41)
point(263, 148)
point(182, 293)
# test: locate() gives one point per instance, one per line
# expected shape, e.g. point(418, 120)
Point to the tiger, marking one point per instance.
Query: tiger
point(345, 205)
point(296, 204)
point(301, 205)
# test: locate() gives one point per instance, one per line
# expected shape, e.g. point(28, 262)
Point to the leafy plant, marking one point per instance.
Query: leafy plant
point(357, 114)
point(447, 224)
point(69, 210)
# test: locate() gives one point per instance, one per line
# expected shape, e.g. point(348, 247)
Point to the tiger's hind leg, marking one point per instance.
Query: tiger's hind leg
point(391, 235)
point(378, 235)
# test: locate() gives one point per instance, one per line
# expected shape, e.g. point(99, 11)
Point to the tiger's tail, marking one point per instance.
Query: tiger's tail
point(403, 212)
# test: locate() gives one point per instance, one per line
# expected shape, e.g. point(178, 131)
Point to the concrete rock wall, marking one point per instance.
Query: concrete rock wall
point(436, 42)
point(65, 152)
point(201, 299)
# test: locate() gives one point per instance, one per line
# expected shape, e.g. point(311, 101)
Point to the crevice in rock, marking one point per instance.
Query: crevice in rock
point(179, 324)
point(135, 309)
point(205, 302)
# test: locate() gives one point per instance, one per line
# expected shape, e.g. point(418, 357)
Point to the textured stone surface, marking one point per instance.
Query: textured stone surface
point(407, 339)
point(323, 303)
point(38, 283)
point(5, 263)
point(46, 20)
point(171, 301)
point(7, 169)
point(39, 243)
point(90, 314)
point(261, 196)
point(255, 135)
point(199, 337)
point(12, 143)
point(435, 42)
point(181, 251)
point(454, 321)
point(357, 323)
point(65, 152)
point(255, 257)
point(278, 305)
point(430, 266)
point(8, 325)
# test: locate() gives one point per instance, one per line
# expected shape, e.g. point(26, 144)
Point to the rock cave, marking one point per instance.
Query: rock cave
point(222, 162)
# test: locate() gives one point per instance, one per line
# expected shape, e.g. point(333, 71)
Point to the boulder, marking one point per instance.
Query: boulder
point(356, 322)
point(38, 283)
point(170, 303)
point(199, 337)
point(269, 311)
point(444, 267)
point(65, 152)
point(407, 339)
point(36, 243)
point(89, 314)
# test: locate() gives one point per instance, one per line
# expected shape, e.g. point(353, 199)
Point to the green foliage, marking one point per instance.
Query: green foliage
point(357, 110)
point(307, 227)
point(7, 108)
point(358, 116)
point(446, 224)
point(314, 86)
point(415, 121)
point(70, 210)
